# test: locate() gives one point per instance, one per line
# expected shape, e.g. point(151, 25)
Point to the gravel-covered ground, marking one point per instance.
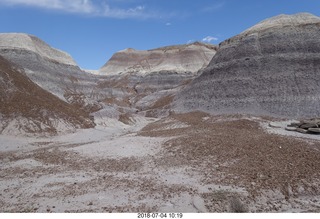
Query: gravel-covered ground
point(190, 162)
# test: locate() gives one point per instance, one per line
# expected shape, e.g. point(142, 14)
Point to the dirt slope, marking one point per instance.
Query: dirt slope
point(27, 108)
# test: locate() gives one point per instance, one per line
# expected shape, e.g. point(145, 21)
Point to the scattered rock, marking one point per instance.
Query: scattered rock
point(290, 128)
point(310, 126)
point(236, 206)
point(274, 125)
point(315, 130)
point(294, 124)
point(303, 131)
point(199, 204)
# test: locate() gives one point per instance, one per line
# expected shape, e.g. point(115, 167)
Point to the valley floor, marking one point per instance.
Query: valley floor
point(191, 162)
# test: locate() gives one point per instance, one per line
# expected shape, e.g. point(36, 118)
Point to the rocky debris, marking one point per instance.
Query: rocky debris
point(82, 102)
point(270, 69)
point(234, 150)
point(179, 58)
point(311, 126)
point(27, 109)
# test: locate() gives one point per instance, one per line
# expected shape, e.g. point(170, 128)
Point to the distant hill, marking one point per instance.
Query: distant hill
point(178, 58)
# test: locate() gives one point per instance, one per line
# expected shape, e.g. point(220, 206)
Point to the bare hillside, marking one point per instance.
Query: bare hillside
point(179, 58)
point(26, 108)
point(272, 68)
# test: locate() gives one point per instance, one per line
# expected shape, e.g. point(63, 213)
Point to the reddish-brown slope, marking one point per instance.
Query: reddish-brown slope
point(33, 109)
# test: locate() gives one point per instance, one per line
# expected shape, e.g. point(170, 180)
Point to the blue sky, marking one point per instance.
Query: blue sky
point(92, 30)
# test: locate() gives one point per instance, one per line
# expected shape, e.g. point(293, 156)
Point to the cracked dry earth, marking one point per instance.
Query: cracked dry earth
point(191, 162)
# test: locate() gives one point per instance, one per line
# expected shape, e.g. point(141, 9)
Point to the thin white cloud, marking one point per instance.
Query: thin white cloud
point(168, 24)
point(209, 39)
point(85, 7)
point(213, 7)
point(191, 41)
point(137, 12)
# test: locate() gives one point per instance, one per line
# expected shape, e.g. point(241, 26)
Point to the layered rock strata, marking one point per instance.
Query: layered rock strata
point(148, 80)
point(272, 68)
point(180, 59)
point(56, 72)
point(25, 108)
point(52, 69)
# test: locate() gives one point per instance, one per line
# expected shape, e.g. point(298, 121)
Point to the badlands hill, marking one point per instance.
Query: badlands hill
point(27, 43)
point(51, 69)
point(44, 65)
point(25, 108)
point(178, 162)
point(179, 58)
point(273, 68)
point(117, 94)
point(147, 81)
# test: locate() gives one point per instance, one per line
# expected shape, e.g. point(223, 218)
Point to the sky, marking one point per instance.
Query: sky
point(91, 31)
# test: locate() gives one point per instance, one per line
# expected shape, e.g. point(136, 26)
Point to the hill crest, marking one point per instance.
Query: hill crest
point(22, 41)
point(178, 58)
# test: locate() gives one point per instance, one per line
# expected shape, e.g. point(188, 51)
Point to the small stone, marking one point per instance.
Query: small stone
point(295, 124)
point(90, 203)
point(274, 125)
point(290, 128)
point(308, 125)
point(316, 130)
point(303, 131)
